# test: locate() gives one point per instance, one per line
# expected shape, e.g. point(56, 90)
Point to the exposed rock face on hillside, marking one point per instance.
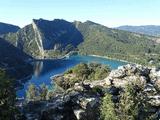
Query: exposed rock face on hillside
point(82, 101)
point(74, 105)
point(7, 28)
point(148, 77)
point(42, 36)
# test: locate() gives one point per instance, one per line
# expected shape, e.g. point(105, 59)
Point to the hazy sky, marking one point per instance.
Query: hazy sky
point(107, 12)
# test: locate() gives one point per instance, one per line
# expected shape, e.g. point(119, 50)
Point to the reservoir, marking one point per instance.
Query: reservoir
point(44, 69)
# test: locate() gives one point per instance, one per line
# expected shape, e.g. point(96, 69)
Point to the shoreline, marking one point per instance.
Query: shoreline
point(106, 57)
point(93, 55)
point(67, 55)
point(111, 58)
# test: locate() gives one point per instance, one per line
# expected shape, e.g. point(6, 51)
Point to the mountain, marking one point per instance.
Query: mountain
point(119, 44)
point(43, 38)
point(13, 60)
point(152, 30)
point(7, 28)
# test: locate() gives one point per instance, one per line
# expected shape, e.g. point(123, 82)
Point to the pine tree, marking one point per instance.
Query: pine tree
point(107, 108)
point(32, 93)
point(43, 91)
point(7, 97)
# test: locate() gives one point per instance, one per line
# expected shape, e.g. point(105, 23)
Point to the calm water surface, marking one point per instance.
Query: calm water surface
point(43, 70)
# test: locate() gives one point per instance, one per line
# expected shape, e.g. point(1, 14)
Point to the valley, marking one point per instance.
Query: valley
point(44, 38)
point(69, 70)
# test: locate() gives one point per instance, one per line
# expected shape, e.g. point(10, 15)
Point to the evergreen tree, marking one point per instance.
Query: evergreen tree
point(107, 108)
point(7, 97)
point(32, 93)
point(43, 91)
point(127, 107)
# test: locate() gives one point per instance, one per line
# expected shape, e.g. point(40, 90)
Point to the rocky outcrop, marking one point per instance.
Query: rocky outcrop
point(44, 38)
point(72, 105)
point(38, 38)
point(128, 73)
point(82, 101)
point(149, 78)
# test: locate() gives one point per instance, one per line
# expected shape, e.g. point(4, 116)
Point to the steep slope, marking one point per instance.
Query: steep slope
point(43, 36)
point(13, 60)
point(104, 41)
point(152, 30)
point(6, 28)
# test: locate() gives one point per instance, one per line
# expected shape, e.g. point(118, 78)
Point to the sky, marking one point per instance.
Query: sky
point(111, 13)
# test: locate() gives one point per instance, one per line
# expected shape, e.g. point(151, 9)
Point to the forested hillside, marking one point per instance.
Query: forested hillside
point(14, 61)
point(45, 38)
point(100, 40)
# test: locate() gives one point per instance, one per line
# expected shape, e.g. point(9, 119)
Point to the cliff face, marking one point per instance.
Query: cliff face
point(57, 32)
point(43, 38)
point(42, 35)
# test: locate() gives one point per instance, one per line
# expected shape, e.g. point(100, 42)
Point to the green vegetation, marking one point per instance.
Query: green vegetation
point(81, 72)
point(35, 93)
point(59, 37)
point(91, 71)
point(107, 108)
point(132, 105)
point(22, 39)
point(43, 91)
point(100, 40)
point(54, 38)
point(7, 97)
point(32, 93)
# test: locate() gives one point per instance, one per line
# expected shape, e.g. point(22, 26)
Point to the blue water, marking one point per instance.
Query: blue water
point(43, 70)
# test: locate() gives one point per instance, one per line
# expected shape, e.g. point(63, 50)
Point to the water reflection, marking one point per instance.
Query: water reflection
point(38, 66)
point(44, 69)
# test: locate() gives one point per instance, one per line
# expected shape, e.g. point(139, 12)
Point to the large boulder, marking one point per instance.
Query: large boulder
point(126, 74)
point(154, 100)
point(155, 77)
point(82, 101)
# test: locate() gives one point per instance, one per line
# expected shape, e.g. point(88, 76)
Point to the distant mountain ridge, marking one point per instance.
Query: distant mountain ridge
point(44, 35)
point(6, 28)
point(44, 38)
point(153, 30)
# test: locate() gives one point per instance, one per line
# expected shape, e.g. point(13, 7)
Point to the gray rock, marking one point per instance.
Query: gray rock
point(154, 100)
point(80, 114)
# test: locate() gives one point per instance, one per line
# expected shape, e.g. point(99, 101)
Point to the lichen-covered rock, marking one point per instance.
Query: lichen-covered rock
point(126, 74)
point(155, 77)
point(154, 100)
point(82, 101)
point(150, 89)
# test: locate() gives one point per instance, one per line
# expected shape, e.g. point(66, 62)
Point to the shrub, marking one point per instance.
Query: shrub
point(107, 108)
